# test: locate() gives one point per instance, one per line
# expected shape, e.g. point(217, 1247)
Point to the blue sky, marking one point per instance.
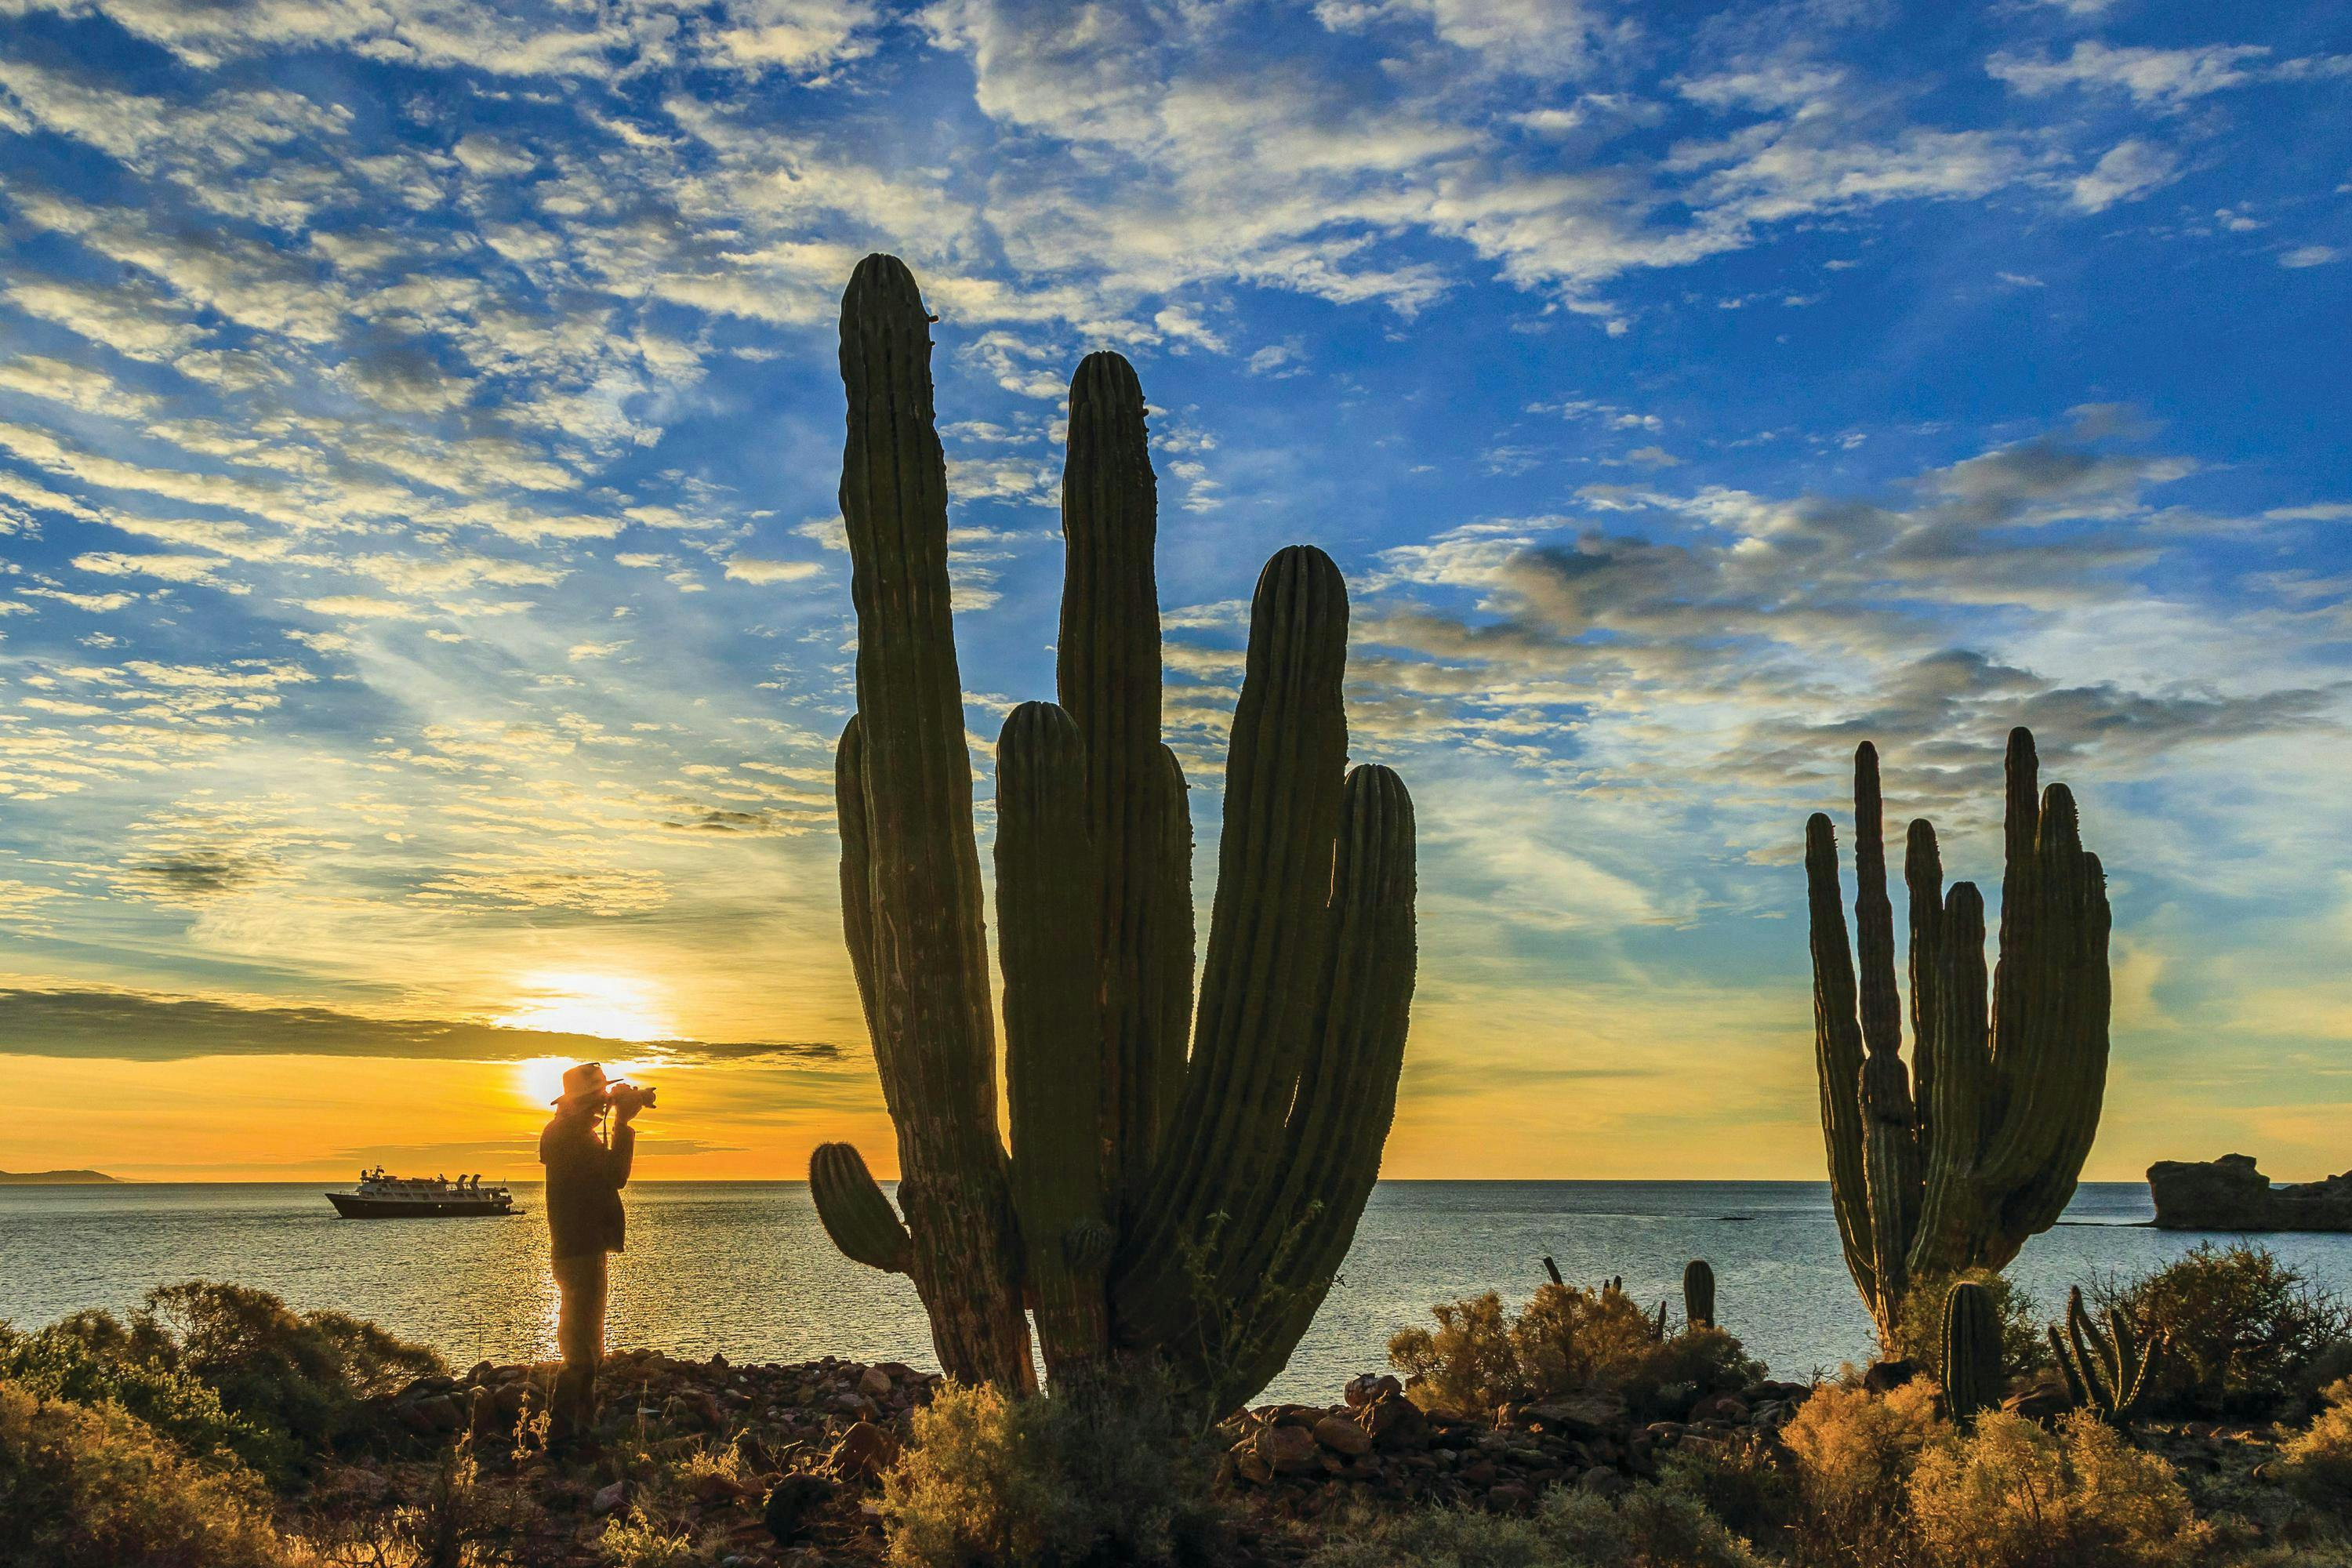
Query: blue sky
point(422, 602)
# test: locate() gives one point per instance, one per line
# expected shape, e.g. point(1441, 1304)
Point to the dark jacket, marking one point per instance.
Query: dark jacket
point(584, 1180)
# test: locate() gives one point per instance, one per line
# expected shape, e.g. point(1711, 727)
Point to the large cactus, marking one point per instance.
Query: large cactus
point(1191, 1208)
point(1948, 1164)
point(1973, 1378)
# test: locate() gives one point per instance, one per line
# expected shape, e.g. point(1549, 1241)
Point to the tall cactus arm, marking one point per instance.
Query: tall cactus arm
point(1046, 884)
point(857, 861)
point(1874, 915)
point(1109, 675)
point(1268, 929)
point(853, 1210)
point(931, 1022)
point(1972, 1370)
point(1890, 1151)
point(1287, 1247)
point(1923, 881)
point(1837, 1051)
point(1953, 1229)
point(2056, 1068)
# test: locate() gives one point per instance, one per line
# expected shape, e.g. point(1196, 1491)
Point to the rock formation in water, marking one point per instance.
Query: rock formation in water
point(2233, 1194)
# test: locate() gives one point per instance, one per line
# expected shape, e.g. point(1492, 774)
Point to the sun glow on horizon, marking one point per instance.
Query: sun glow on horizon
point(611, 1006)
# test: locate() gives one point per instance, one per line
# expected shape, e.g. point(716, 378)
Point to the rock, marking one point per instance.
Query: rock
point(1578, 1416)
point(1508, 1497)
point(1288, 1450)
point(2044, 1399)
point(1342, 1436)
point(874, 1384)
point(1394, 1422)
point(793, 1502)
point(2231, 1193)
point(608, 1499)
point(1370, 1388)
point(1720, 1407)
point(864, 1452)
point(1886, 1376)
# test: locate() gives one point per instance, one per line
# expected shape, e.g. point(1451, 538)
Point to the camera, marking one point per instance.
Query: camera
point(629, 1096)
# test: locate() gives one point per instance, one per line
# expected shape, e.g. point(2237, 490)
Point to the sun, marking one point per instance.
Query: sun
point(610, 1006)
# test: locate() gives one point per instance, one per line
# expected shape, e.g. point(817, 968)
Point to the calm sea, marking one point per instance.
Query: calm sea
point(743, 1267)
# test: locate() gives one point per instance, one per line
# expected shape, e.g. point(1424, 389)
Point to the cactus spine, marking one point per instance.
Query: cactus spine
point(1192, 1208)
point(2108, 1372)
point(1698, 1294)
point(1973, 1379)
point(1948, 1163)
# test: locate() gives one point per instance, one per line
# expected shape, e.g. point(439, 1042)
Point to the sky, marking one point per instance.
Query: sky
point(425, 616)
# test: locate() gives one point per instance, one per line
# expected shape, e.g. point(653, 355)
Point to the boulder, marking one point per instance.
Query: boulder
point(1289, 1450)
point(1370, 1388)
point(1394, 1422)
point(1886, 1376)
point(874, 1382)
point(1342, 1436)
point(608, 1499)
point(2231, 1193)
point(1578, 1415)
point(864, 1452)
point(793, 1505)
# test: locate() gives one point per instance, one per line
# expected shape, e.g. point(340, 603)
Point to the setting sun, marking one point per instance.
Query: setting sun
point(614, 1006)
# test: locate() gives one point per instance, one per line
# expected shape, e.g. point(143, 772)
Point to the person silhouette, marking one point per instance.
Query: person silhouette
point(585, 1222)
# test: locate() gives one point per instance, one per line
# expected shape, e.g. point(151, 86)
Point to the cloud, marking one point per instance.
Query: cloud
point(2125, 173)
point(2310, 256)
point(754, 569)
point(135, 1025)
point(2151, 76)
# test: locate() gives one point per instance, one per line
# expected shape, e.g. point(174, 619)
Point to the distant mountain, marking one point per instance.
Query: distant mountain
point(57, 1179)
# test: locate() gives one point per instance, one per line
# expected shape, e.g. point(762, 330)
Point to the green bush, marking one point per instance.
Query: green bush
point(2009, 1494)
point(302, 1373)
point(1109, 1471)
point(92, 1486)
point(2244, 1334)
point(1564, 1341)
point(1649, 1527)
point(91, 1357)
point(1919, 1330)
point(1742, 1481)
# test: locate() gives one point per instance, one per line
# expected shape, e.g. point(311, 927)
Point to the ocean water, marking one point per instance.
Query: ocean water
point(744, 1269)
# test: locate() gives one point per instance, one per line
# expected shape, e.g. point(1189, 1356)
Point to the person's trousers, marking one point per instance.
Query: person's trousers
point(579, 1287)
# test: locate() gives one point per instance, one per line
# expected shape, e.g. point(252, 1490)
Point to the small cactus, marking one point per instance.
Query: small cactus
point(2108, 1372)
point(1973, 1378)
point(1698, 1293)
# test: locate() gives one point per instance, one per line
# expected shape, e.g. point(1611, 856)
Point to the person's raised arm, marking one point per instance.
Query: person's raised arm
point(624, 1147)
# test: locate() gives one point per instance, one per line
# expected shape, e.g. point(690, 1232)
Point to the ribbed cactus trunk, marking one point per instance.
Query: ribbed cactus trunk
point(1950, 1163)
point(1973, 1378)
point(2109, 1373)
point(1194, 1208)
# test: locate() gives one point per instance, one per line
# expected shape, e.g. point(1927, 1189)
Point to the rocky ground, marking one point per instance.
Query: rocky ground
point(779, 1466)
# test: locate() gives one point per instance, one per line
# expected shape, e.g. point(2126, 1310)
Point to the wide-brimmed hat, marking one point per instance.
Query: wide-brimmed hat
point(584, 1081)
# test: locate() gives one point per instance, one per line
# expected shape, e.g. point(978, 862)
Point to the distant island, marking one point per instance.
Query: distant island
point(58, 1179)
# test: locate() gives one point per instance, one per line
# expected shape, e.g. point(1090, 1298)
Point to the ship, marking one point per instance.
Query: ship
point(382, 1196)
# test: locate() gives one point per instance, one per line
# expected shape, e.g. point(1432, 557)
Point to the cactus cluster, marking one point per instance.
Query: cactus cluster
point(1973, 1378)
point(2107, 1370)
point(1188, 1206)
point(1948, 1163)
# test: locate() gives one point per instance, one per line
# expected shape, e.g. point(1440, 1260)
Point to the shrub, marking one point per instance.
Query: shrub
point(91, 1357)
point(1853, 1452)
point(2317, 1464)
point(1563, 1341)
point(1741, 1481)
point(1107, 1471)
point(2009, 1494)
point(302, 1373)
point(1649, 1527)
point(639, 1543)
point(1919, 1330)
point(91, 1486)
point(2243, 1332)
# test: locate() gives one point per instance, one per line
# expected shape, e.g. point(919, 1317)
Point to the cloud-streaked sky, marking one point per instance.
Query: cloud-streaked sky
point(424, 614)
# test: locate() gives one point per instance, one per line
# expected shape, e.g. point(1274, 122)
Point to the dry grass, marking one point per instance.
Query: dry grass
point(1564, 1341)
point(2011, 1494)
